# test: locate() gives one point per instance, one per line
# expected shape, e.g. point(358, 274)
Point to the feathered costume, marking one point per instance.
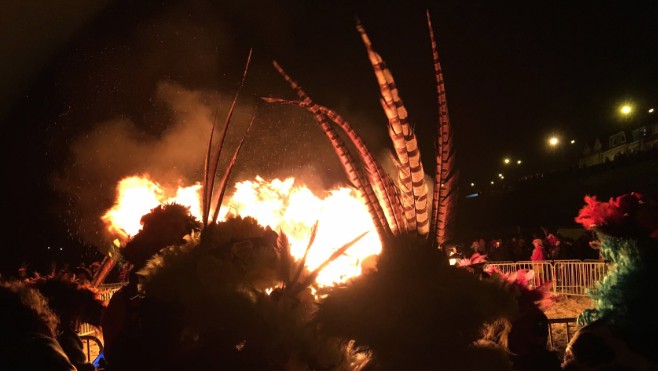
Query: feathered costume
point(416, 312)
point(216, 287)
point(622, 328)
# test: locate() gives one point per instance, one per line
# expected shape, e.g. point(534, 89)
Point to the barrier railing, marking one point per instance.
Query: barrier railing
point(105, 292)
point(92, 347)
point(560, 332)
point(569, 277)
point(575, 278)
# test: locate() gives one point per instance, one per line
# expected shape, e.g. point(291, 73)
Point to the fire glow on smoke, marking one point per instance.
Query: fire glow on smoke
point(280, 204)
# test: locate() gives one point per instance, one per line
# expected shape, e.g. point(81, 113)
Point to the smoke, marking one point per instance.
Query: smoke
point(118, 148)
point(283, 142)
point(144, 99)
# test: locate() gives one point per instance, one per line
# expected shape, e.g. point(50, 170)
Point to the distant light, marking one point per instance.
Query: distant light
point(518, 162)
point(48, 247)
point(507, 160)
point(650, 110)
point(573, 141)
point(626, 109)
point(472, 184)
point(502, 177)
point(553, 141)
point(472, 195)
point(492, 182)
point(60, 249)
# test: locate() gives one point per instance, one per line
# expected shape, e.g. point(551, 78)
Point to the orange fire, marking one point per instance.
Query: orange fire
point(137, 195)
point(280, 204)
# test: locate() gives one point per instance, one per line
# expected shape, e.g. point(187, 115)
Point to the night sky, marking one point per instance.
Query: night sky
point(93, 93)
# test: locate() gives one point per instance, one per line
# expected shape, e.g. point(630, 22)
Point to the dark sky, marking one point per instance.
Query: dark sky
point(93, 93)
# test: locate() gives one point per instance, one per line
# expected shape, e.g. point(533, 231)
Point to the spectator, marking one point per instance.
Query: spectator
point(553, 244)
point(538, 254)
point(83, 275)
point(27, 338)
point(73, 304)
point(499, 252)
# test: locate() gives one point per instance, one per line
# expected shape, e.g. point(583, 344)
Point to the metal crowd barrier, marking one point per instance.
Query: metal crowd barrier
point(569, 277)
point(575, 278)
point(92, 347)
point(555, 338)
point(105, 291)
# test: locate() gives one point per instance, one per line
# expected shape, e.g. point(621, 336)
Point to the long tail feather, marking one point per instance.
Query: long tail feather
point(353, 172)
point(214, 164)
point(313, 275)
point(445, 192)
point(375, 171)
point(302, 262)
point(394, 194)
point(227, 173)
point(387, 196)
point(206, 172)
point(403, 137)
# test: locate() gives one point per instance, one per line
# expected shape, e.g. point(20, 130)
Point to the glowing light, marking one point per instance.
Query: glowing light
point(553, 141)
point(573, 141)
point(518, 162)
point(280, 204)
point(472, 184)
point(626, 109)
point(507, 160)
point(500, 175)
point(650, 110)
point(492, 182)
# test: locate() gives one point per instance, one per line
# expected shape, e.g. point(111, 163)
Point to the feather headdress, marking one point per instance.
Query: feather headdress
point(628, 229)
point(398, 207)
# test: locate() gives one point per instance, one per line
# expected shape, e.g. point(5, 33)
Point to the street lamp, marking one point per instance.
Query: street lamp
point(507, 160)
point(553, 141)
point(626, 109)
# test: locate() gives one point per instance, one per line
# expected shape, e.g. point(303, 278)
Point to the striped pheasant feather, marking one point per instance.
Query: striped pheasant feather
point(375, 172)
point(227, 173)
point(445, 180)
point(352, 170)
point(385, 191)
point(412, 179)
point(394, 194)
point(212, 162)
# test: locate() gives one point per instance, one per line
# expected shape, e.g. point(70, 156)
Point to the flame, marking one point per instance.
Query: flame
point(137, 196)
point(280, 204)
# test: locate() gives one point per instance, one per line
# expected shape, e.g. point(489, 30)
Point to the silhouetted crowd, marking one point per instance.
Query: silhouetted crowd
point(231, 297)
point(40, 318)
point(521, 247)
